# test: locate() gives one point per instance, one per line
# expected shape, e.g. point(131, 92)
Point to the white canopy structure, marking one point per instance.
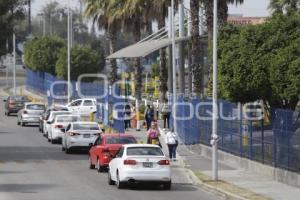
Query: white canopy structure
point(144, 48)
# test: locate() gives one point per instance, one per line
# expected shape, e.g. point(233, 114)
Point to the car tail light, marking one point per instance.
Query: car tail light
point(73, 134)
point(25, 112)
point(59, 126)
point(129, 162)
point(164, 162)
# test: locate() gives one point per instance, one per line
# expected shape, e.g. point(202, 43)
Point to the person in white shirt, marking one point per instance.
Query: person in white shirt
point(172, 142)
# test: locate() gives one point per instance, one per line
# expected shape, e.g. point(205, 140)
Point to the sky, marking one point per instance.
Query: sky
point(250, 8)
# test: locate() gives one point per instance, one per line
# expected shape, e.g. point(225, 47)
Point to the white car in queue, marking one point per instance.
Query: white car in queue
point(30, 113)
point(80, 135)
point(60, 123)
point(135, 163)
point(83, 107)
point(50, 119)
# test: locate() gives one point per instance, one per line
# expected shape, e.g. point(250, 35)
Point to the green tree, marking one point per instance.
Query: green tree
point(280, 6)
point(11, 13)
point(254, 66)
point(42, 53)
point(83, 61)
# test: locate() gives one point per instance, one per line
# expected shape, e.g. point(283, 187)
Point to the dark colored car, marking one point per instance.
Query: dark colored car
point(14, 103)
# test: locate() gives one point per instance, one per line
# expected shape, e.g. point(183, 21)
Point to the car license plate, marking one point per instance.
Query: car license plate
point(86, 135)
point(147, 164)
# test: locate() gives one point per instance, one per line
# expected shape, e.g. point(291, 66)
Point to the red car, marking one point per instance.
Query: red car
point(105, 147)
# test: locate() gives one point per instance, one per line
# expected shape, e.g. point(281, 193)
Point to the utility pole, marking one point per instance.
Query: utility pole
point(29, 17)
point(14, 64)
point(174, 65)
point(69, 55)
point(214, 136)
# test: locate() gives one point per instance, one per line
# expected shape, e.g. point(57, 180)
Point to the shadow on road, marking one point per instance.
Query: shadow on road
point(154, 187)
point(24, 188)
point(33, 154)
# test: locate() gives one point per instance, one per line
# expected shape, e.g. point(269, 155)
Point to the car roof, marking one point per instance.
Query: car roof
point(84, 122)
point(116, 135)
point(31, 103)
point(140, 145)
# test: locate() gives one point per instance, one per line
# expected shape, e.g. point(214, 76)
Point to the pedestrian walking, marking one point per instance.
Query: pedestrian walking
point(153, 135)
point(166, 114)
point(127, 117)
point(149, 116)
point(172, 142)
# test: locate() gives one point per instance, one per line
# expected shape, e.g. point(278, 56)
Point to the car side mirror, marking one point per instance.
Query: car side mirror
point(49, 122)
point(63, 130)
point(4, 100)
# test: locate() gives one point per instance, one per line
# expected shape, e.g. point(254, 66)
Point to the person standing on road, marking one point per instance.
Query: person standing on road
point(149, 116)
point(153, 135)
point(172, 142)
point(166, 113)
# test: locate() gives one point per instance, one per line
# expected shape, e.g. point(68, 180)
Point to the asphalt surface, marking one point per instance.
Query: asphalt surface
point(33, 169)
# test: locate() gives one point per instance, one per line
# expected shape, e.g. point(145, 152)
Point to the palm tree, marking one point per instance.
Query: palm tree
point(101, 13)
point(279, 6)
point(222, 13)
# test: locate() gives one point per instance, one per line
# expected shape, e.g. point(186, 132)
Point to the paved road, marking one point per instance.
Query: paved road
point(33, 169)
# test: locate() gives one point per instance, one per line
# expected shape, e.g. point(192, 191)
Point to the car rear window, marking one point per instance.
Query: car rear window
point(88, 127)
point(120, 140)
point(35, 107)
point(144, 151)
point(68, 118)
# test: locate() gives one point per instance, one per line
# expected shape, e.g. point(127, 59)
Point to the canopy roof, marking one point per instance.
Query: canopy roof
point(144, 48)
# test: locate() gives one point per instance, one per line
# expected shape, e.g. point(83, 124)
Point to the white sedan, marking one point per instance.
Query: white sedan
point(80, 135)
point(136, 163)
point(58, 126)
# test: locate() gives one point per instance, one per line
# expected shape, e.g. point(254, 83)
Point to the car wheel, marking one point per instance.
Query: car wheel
point(99, 167)
point(63, 148)
point(18, 122)
point(167, 185)
point(120, 185)
point(67, 150)
point(110, 181)
point(91, 164)
point(52, 141)
point(8, 113)
point(22, 123)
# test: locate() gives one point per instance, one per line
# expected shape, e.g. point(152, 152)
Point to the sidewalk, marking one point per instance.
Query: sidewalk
point(250, 181)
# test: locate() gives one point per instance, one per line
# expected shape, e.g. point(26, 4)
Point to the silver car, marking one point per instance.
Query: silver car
point(31, 113)
point(80, 135)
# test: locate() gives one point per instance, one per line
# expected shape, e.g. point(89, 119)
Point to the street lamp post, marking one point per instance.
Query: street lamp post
point(69, 55)
point(214, 137)
point(173, 65)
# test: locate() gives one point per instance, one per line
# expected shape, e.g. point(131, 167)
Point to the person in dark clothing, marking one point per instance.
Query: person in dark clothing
point(166, 113)
point(149, 116)
point(127, 117)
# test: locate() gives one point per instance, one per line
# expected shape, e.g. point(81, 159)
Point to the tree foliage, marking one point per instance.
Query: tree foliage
point(261, 62)
point(42, 53)
point(83, 61)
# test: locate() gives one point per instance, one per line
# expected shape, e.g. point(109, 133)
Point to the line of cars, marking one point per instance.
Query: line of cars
point(120, 154)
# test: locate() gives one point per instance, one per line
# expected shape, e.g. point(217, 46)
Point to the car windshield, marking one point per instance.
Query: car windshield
point(35, 107)
point(20, 98)
point(120, 140)
point(144, 151)
point(68, 118)
point(88, 127)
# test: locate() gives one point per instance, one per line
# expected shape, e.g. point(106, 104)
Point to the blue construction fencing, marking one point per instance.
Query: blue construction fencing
point(56, 91)
point(275, 142)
